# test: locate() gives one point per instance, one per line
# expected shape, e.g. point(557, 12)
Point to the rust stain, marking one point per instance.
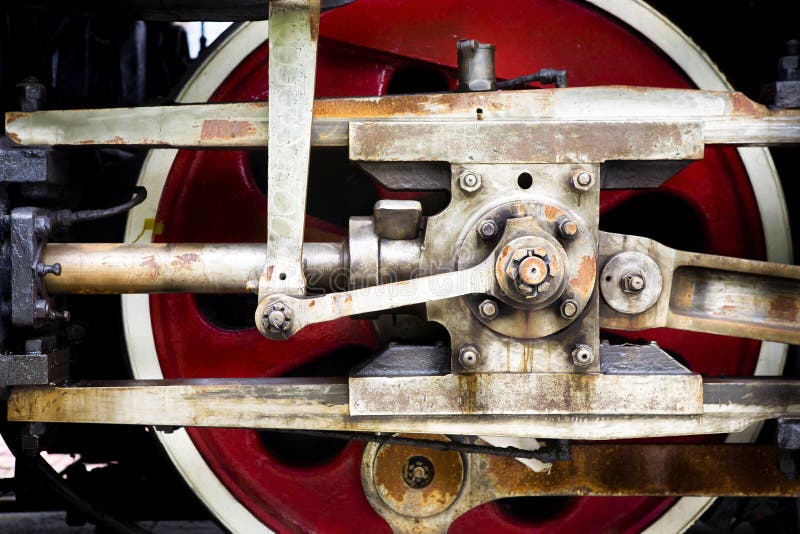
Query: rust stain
point(783, 308)
point(744, 106)
point(551, 213)
point(184, 261)
point(224, 129)
point(150, 263)
point(584, 282)
point(14, 137)
point(12, 116)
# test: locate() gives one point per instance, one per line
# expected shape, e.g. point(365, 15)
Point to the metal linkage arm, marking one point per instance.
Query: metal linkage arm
point(280, 316)
point(648, 285)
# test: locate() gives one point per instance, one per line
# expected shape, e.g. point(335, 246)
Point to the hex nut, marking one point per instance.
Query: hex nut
point(582, 355)
point(469, 357)
point(582, 180)
point(488, 309)
point(633, 282)
point(487, 229)
point(470, 181)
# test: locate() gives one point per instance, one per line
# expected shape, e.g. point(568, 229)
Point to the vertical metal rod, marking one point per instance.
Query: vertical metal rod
point(294, 28)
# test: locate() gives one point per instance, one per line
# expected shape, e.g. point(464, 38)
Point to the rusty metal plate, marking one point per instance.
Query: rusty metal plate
point(525, 142)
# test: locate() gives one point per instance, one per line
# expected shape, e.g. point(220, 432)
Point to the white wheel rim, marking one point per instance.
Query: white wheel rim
point(237, 45)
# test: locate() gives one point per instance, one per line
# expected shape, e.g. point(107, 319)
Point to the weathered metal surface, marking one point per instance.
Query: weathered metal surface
point(294, 30)
point(592, 470)
point(527, 393)
point(442, 470)
point(715, 294)
point(483, 141)
point(639, 360)
point(323, 404)
point(726, 117)
point(513, 341)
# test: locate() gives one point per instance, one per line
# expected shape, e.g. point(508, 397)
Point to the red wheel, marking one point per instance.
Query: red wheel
point(375, 47)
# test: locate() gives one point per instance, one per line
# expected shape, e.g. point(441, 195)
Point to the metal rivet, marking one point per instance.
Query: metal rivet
point(582, 355)
point(418, 472)
point(469, 357)
point(569, 308)
point(488, 309)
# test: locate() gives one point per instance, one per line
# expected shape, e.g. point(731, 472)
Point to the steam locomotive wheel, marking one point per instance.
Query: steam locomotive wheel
point(730, 203)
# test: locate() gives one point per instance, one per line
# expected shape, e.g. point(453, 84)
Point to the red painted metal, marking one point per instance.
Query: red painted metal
point(211, 197)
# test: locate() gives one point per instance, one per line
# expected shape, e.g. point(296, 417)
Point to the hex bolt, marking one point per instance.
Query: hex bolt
point(278, 317)
point(569, 308)
point(582, 355)
point(633, 282)
point(469, 357)
point(418, 472)
point(470, 181)
point(487, 229)
point(567, 229)
point(582, 180)
point(488, 309)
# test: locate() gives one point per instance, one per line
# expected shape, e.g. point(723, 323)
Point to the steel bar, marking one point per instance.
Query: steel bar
point(726, 117)
point(322, 404)
point(715, 294)
point(294, 30)
point(171, 268)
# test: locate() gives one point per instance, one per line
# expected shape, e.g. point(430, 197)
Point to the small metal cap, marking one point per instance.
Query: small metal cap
point(582, 355)
point(470, 181)
point(569, 308)
point(487, 229)
point(488, 309)
point(469, 357)
point(633, 282)
point(582, 180)
point(567, 228)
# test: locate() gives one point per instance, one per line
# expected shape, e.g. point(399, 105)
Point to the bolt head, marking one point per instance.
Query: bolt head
point(488, 309)
point(469, 357)
point(583, 180)
point(582, 355)
point(567, 229)
point(487, 229)
point(569, 308)
point(633, 282)
point(470, 181)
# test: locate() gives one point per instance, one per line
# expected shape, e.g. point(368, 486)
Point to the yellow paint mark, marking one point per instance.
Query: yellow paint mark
point(155, 227)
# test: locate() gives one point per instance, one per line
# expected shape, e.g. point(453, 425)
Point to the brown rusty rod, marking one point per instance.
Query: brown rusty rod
point(164, 268)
